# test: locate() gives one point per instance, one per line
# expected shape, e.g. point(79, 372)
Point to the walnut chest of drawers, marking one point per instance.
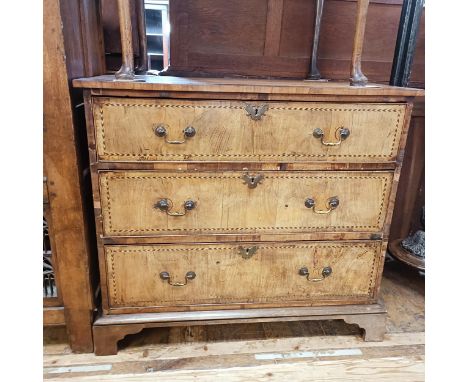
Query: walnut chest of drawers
point(224, 200)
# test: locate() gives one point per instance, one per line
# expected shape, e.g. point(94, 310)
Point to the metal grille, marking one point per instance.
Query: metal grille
point(48, 277)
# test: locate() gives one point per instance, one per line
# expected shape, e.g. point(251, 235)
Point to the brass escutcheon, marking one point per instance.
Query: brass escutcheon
point(256, 113)
point(252, 180)
point(247, 252)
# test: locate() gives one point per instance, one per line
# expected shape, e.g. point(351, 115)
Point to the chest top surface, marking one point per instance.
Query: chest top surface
point(243, 85)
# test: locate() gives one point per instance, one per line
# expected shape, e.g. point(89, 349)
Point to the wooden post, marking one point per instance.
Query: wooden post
point(64, 182)
point(357, 77)
point(314, 73)
point(126, 71)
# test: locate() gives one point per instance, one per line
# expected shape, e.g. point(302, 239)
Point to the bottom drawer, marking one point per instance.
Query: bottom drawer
point(179, 277)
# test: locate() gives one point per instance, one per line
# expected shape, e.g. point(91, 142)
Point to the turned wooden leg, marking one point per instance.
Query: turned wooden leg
point(373, 325)
point(357, 77)
point(106, 337)
point(126, 71)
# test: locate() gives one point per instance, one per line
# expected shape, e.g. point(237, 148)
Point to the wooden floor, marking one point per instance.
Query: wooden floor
point(293, 351)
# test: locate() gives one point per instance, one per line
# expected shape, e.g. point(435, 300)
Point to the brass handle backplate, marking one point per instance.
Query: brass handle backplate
point(247, 252)
point(165, 205)
point(326, 271)
point(340, 134)
point(332, 203)
point(161, 131)
point(165, 276)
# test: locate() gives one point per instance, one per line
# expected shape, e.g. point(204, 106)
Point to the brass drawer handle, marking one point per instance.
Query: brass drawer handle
point(332, 204)
point(326, 271)
point(340, 134)
point(248, 252)
point(161, 131)
point(165, 276)
point(252, 180)
point(165, 205)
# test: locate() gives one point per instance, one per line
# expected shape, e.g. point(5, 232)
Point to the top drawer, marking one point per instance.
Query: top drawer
point(173, 130)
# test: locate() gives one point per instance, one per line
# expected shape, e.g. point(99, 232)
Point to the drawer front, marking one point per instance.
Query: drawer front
point(154, 203)
point(156, 130)
point(255, 273)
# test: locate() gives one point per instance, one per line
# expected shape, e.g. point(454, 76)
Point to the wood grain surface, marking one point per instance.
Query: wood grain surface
point(125, 131)
point(230, 205)
point(225, 203)
point(62, 169)
point(244, 349)
point(271, 274)
point(244, 85)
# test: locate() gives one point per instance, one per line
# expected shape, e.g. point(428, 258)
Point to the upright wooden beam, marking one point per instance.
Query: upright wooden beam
point(357, 77)
point(72, 48)
point(126, 71)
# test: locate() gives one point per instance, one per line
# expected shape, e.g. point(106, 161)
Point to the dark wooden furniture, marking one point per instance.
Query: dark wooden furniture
point(67, 25)
point(406, 42)
point(410, 197)
point(334, 50)
point(227, 37)
point(271, 45)
point(209, 210)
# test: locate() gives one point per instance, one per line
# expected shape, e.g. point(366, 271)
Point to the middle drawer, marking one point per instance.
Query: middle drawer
point(156, 203)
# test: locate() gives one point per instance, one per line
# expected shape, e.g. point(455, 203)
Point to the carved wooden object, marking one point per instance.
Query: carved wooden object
point(235, 200)
point(357, 77)
point(126, 71)
point(108, 330)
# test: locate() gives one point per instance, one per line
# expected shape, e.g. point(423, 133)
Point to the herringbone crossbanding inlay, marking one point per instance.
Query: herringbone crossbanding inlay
point(225, 132)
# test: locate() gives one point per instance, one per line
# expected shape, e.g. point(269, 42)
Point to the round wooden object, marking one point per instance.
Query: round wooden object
point(398, 252)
